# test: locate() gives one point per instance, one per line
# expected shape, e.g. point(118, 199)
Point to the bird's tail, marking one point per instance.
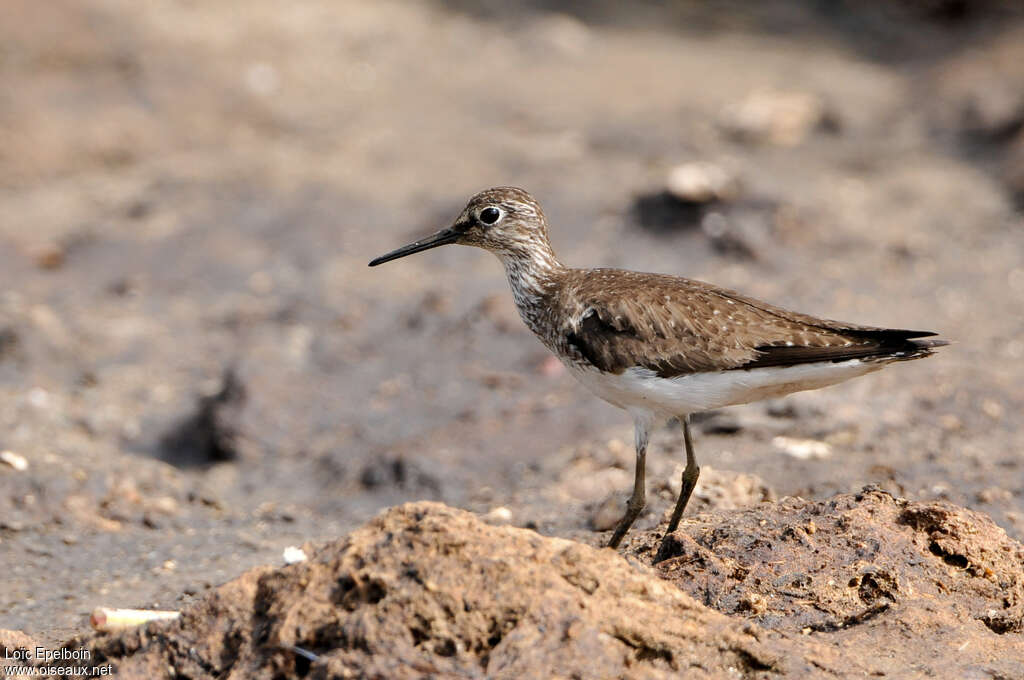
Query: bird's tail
point(915, 349)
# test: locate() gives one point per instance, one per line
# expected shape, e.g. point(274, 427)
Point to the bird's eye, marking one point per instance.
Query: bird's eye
point(490, 215)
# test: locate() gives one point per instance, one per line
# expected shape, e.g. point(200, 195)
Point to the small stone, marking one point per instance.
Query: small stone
point(846, 437)
point(803, 449)
point(498, 516)
point(50, 257)
point(994, 494)
point(776, 117)
point(753, 602)
point(15, 460)
point(39, 397)
point(950, 422)
point(992, 408)
point(166, 505)
point(294, 555)
point(722, 489)
point(608, 513)
point(702, 182)
point(299, 343)
point(616, 447)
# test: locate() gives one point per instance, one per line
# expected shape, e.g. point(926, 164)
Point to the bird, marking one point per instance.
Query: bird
point(661, 346)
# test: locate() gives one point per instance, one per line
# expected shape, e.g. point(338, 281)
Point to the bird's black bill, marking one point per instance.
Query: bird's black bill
point(441, 238)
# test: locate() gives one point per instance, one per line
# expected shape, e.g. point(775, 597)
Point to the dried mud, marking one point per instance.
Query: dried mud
point(197, 369)
point(429, 591)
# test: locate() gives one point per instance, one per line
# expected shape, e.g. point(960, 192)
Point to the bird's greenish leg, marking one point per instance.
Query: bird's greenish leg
point(637, 500)
point(690, 475)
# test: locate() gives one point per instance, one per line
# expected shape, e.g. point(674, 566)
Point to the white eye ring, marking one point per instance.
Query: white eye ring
point(490, 215)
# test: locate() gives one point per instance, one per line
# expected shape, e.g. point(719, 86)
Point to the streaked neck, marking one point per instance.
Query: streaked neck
point(532, 274)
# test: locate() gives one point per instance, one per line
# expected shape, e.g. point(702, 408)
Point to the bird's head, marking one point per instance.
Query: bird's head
point(504, 220)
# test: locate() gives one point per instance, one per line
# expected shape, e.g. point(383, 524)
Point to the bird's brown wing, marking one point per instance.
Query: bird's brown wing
point(675, 326)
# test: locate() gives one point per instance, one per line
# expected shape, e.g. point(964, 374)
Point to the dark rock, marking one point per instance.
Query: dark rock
point(661, 211)
point(210, 433)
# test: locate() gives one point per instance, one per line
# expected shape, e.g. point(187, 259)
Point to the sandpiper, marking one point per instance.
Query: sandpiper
point(662, 346)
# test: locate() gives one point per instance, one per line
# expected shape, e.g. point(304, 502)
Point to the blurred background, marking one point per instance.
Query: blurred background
point(197, 368)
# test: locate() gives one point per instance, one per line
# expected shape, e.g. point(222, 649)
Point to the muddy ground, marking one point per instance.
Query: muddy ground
point(860, 585)
point(199, 369)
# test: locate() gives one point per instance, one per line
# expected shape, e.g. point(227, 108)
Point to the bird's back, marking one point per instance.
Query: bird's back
point(615, 319)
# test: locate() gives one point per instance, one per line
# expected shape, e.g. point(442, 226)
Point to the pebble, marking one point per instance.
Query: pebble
point(294, 555)
point(950, 422)
point(780, 118)
point(498, 516)
point(15, 460)
point(702, 182)
point(992, 408)
point(39, 397)
point(994, 494)
point(608, 513)
point(803, 449)
point(50, 257)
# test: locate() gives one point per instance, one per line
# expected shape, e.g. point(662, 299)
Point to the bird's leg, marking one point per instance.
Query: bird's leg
point(690, 475)
point(636, 501)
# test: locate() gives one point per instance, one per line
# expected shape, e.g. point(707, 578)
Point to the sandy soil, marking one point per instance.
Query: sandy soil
point(862, 585)
point(199, 369)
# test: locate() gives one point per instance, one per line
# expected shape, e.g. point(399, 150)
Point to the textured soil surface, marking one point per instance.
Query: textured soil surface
point(428, 591)
point(917, 583)
point(197, 369)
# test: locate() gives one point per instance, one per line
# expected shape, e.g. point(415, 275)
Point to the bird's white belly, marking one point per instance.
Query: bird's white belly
point(640, 389)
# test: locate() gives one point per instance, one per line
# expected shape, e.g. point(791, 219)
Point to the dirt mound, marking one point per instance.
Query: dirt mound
point(929, 586)
point(878, 585)
point(425, 590)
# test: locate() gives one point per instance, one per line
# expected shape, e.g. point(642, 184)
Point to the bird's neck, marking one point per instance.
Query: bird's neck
point(532, 274)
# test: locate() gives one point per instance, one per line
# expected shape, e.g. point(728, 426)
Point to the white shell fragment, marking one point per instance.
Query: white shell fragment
point(702, 182)
point(108, 620)
point(803, 449)
point(498, 516)
point(15, 460)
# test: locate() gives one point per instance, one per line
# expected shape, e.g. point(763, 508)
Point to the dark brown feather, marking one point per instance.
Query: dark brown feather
point(891, 350)
point(675, 326)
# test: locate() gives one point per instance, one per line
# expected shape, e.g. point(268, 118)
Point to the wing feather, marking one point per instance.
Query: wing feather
point(675, 326)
